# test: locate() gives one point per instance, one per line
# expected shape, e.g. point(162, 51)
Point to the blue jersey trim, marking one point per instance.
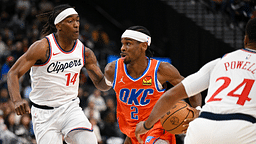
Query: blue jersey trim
point(81, 128)
point(84, 55)
point(60, 46)
point(246, 49)
point(156, 140)
point(115, 75)
point(126, 72)
point(156, 82)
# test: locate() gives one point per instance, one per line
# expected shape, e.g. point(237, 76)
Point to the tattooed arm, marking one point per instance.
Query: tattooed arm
point(38, 51)
point(94, 71)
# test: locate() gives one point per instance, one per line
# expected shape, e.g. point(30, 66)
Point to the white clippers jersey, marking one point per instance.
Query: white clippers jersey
point(56, 81)
point(231, 87)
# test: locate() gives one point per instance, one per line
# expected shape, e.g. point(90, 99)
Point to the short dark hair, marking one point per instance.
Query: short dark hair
point(49, 26)
point(149, 52)
point(250, 30)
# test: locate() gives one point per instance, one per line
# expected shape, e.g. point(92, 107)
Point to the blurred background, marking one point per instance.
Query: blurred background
point(186, 33)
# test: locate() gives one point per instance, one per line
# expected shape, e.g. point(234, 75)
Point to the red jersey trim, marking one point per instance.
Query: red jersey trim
point(50, 55)
point(65, 52)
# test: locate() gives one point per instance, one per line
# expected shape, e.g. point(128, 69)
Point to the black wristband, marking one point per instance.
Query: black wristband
point(146, 127)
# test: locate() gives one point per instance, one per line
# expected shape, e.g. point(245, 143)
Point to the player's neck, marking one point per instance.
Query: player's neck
point(251, 49)
point(137, 68)
point(65, 43)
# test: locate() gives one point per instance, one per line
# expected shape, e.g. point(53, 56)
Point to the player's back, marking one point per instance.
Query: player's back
point(232, 85)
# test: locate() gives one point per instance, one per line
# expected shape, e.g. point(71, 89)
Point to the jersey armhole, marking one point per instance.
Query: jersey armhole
point(158, 85)
point(115, 74)
point(83, 55)
point(49, 57)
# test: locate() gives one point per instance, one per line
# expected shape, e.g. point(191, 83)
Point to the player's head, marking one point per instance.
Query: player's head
point(55, 17)
point(144, 30)
point(250, 30)
point(138, 39)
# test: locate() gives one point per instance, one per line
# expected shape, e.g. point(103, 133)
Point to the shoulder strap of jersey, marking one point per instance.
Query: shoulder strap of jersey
point(118, 66)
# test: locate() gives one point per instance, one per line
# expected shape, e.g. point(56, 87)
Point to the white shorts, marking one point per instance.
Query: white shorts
point(206, 131)
point(53, 124)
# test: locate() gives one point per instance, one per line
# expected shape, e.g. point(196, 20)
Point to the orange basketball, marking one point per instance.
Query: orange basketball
point(173, 120)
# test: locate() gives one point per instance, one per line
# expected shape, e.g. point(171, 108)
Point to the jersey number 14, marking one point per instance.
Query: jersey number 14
point(71, 80)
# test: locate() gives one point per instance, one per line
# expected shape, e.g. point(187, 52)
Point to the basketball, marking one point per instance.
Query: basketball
point(173, 120)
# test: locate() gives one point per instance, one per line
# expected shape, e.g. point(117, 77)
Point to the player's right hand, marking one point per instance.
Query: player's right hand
point(188, 120)
point(139, 131)
point(21, 107)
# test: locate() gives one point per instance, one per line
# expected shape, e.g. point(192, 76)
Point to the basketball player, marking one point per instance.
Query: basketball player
point(55, 62)
point(137, 81)
point(229, 113)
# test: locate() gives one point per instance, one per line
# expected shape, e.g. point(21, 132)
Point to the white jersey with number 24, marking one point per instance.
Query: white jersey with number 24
point(230, 82)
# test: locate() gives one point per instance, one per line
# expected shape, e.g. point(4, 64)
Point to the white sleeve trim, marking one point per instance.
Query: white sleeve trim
point(199, 81)
point(159, 85)
point(109, 83)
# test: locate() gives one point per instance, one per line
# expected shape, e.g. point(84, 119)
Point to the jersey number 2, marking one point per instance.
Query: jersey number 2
point(241, 97)
point(72, 80)
point(134, 113)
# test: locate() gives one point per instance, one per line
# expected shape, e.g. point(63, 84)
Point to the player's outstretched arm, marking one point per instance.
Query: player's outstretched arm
point(195, 83)
point(94, 71)
point(37, 51)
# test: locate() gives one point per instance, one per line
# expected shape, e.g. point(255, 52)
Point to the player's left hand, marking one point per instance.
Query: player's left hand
point(139, 131)
point(188, 120)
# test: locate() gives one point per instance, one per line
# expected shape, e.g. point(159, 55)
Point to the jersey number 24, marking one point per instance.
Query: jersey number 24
point(242, 97)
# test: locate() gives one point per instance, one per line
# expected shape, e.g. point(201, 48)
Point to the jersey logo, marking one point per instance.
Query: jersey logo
point(149, 138)
point(55, 53)
point(174, 120)
point(35, 115)
point(61, 66)
point(147, 80)
point(122, 80)
point(248, 56)
point(132, 96)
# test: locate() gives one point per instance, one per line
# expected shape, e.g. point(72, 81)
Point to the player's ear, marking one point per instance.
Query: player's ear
point(58, 27)
point(246, 41)
point(144, 45)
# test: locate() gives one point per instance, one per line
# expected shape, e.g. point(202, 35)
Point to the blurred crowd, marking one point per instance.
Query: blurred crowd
point(236, 12)
point(19, 28)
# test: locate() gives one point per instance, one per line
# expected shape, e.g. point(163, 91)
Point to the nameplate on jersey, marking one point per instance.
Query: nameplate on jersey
point(147, 81)
point(61, 66)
